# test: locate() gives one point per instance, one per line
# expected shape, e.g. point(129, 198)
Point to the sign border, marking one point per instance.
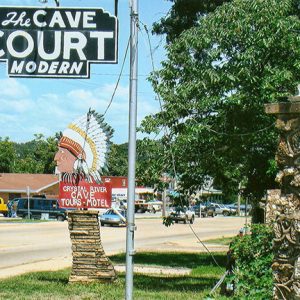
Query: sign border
point(89, 62)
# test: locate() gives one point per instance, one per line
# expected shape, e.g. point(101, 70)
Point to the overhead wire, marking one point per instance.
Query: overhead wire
point(117, 84)
point(209, 129)
point(205, 126)
point(172, 155)
point(239, 134)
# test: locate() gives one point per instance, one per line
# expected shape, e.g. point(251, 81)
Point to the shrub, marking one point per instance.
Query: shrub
point(253, 257)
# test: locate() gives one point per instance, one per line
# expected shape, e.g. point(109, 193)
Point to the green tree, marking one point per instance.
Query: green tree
point(45, 151)
point(36, 156)
point(214, 83)
point(183, 16)
point(7, 155)
point(118, 160)
point(150, 164)
point(253, 256)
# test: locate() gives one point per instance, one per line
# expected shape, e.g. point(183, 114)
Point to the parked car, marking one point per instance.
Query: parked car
point(39, 208)
point(221, 209)
point(123, 204)
point(140, 206)
point(3, 208)
point(206, 210)
point(182, 214)
point(233, 210)
point(242, 207)
point(154, 206)
point(113, 217)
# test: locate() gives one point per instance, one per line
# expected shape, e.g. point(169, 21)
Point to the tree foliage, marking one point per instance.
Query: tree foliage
point(118, 160)
point(150, 166)
point(36, 156)
point(183, 16)
point(214, 83)
point(7, 155)
point(253, 256)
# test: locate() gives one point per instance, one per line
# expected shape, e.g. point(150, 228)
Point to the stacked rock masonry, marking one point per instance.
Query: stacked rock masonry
point(283, 207)
point(89, 260)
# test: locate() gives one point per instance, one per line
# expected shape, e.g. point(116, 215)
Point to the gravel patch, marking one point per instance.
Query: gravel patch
point(142, 269)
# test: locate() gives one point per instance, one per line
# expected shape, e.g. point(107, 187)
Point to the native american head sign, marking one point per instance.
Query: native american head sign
point(56, 42)
point(81, 158)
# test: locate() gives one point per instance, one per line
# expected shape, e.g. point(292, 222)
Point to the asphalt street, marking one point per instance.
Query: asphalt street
point(46, 246)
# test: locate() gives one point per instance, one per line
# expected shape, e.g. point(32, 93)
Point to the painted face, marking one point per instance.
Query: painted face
point(64, 160)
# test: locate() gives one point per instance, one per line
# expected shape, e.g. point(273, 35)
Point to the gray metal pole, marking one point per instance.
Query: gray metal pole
point(28, 201)
point(132, 147)
point(164, 203)
point(239, 200)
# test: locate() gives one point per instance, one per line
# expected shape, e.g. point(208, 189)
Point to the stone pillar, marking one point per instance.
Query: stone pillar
point(283, 207)
point(89, 260)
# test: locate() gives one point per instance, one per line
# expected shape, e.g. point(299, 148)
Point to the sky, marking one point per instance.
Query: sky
point(46, 106)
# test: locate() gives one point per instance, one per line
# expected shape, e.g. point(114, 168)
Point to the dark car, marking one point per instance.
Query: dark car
point(39, 208)
point(113, 217)
point(206, 210)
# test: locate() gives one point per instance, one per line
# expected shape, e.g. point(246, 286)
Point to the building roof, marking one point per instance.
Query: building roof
point(18, 183)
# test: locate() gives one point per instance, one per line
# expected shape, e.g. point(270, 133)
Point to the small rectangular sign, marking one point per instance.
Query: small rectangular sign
point(85, 195)
point(56, 42)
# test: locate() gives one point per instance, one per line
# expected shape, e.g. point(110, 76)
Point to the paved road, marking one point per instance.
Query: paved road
point(46, 246)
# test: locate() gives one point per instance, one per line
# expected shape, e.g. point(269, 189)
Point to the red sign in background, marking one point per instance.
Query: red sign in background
point(85, 195)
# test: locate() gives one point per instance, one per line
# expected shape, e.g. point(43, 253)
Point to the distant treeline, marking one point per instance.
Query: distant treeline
point(37, 156)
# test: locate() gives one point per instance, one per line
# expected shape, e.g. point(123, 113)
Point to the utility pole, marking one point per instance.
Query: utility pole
point(131, 147)
point(239, 200)
point(164, 197)
point(28, 201)
point(164, 203)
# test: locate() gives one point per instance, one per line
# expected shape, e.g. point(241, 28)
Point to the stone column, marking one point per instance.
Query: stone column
point(89, 260)
point(283, 206)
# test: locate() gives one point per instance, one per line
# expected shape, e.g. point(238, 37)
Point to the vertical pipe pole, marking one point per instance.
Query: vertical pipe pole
point(164, 197)
point(116, 7)
point(131, 147)
point(28, 201)
point(164, 201)
point(239, 200)
point(246, 214)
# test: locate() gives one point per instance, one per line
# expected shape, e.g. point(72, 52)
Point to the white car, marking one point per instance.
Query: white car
point(182, 214)
point(221, 209)
point(154, 206)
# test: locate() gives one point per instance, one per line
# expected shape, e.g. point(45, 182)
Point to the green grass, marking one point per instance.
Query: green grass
point(13, 220)
point(222, 241)
point(172, 259)
point(54, 285)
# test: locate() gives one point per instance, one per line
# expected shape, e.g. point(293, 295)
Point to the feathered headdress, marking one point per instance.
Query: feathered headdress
point(88, 139)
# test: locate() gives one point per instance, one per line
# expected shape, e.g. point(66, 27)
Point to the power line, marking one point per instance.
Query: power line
point(117, 84)
point(206, 126)
point(115, 74)
point(236, 134)
point(172, 154)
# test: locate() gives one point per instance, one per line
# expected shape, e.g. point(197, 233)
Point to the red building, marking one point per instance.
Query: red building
point(15, 185)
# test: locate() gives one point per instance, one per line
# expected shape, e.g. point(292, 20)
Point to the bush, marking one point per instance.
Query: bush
point(253, 257)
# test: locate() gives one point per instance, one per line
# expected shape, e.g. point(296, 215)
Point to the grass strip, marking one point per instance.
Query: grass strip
point(54, 285)
point(12, 220)
point(222, 241)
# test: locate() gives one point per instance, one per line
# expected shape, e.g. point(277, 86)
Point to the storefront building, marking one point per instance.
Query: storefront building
point(15, 185)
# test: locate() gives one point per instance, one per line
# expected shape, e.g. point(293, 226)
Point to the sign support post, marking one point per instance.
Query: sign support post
point(28, 200)
point(132, 147)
